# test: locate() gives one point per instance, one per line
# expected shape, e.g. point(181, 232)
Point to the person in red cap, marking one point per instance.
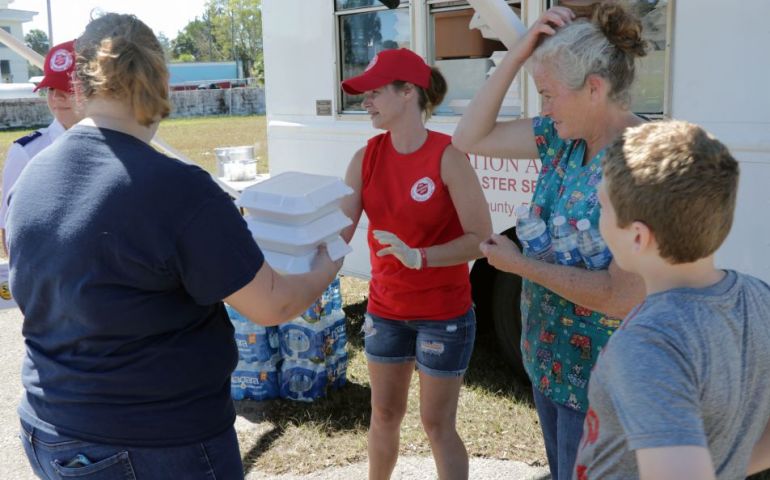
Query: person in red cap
point(57, 85)
point(427, 215)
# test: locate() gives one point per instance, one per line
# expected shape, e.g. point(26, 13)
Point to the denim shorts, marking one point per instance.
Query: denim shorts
point(54, 456)
point(442, 348)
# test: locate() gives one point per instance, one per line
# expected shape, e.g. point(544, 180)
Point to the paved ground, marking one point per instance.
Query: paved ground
point(13, 463)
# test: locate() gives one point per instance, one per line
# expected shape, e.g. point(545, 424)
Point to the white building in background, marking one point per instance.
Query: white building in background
point(13, 68)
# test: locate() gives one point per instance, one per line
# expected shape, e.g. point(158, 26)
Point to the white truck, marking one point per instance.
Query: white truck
point(709, 64)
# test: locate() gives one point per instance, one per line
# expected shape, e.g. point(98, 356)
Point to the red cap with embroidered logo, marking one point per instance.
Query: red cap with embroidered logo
point(58, 67)
point(387, 67)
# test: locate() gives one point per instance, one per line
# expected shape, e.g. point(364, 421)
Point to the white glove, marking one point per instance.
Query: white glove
point(410, 257)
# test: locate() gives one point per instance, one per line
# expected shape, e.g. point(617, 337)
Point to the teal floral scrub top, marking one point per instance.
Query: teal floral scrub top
point(561, 340)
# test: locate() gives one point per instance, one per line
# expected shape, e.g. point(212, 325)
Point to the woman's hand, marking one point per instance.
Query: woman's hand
point(323, 262)
point(410, 257)
point(547, 24)
point(502, 253)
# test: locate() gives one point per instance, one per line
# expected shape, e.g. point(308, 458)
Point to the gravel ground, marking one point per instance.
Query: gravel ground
point(13, 463)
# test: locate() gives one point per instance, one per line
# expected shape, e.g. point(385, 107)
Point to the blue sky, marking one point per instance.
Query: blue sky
point(71, 16)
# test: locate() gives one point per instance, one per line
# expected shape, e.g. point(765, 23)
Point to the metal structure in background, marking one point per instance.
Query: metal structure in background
point(50, 23)
point(37, 60)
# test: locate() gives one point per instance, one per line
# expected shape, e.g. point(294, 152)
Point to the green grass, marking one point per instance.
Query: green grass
point(198, 137)
point(195, 138)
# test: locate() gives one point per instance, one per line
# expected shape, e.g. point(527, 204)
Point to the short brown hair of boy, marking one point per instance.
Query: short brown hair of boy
point(678, 180)
point(119, 57)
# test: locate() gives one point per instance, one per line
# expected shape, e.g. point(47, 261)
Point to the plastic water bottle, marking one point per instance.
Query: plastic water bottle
point(593, 250)
point(565, 244)
point(533, 233)
point(336, 295)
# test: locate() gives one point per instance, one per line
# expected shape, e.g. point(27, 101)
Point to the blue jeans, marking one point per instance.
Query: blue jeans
point(58, 457)
point(562, 430)
point(442, 348)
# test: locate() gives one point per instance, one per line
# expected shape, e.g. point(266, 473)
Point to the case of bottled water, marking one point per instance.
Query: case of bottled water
point(256, 381)
point(299, 360)
point(564, 238)
point(302, 340)
point(303, 380)
point(533, 234)
point(593, 249)
point(255, 342)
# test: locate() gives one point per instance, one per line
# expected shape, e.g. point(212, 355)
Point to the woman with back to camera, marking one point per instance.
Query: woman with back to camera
point(427, 215)
point(120, 259)
point(583, 70)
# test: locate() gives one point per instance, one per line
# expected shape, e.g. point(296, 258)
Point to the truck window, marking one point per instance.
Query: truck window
point(365, 28)
point(465, 56)
point(650, 91)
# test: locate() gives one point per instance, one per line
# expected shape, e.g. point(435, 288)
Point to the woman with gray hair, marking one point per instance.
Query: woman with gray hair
point(583, 70)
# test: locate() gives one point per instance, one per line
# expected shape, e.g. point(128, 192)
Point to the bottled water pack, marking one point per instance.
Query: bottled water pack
point(255, 342)
point(256, 381)
point(303, 380)
point(299, 360)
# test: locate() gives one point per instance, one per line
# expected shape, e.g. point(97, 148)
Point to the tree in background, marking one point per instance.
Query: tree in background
point(165, 44)
point(227, 30)
point(198, 39)
point(37, 40)
point(238, 27)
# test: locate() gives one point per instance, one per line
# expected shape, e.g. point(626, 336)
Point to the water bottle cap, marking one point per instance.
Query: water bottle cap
point(560, 220)
point(584, 224)
point(522, 211)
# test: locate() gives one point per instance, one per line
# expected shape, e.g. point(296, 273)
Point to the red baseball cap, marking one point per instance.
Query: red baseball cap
point(387, 67)
point(58, 67)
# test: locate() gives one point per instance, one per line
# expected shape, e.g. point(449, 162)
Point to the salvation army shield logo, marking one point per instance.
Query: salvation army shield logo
point(60, 61)
point(423, 189)
point(372, 63)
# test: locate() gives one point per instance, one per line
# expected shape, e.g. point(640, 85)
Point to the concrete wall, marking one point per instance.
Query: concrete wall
point(231, 101)
point(28, 113)
point(24, 113)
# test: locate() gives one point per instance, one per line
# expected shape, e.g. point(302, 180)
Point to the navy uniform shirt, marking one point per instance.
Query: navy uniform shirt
point(19, 155)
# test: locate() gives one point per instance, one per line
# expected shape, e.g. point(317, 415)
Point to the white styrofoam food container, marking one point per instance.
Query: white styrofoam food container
point(294, 197)
point(297, 239)
point(296, 264)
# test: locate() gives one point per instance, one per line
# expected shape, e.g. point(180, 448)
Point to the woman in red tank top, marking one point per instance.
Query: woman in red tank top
point(427, 216)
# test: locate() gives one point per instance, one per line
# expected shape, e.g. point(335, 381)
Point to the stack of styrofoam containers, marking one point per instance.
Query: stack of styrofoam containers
point(291, 214)
point(256, 376)
point(313, 348)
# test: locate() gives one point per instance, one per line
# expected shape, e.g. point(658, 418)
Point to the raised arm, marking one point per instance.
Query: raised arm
point(351, 205)
point(675, 463)
point(613, 291)
point(472, 210)
point(479, 131)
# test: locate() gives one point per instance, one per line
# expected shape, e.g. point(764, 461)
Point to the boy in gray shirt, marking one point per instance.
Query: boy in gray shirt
point(682, 389)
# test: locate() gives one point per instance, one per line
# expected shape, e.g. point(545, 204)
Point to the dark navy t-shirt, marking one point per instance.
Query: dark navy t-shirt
point(120, 257)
